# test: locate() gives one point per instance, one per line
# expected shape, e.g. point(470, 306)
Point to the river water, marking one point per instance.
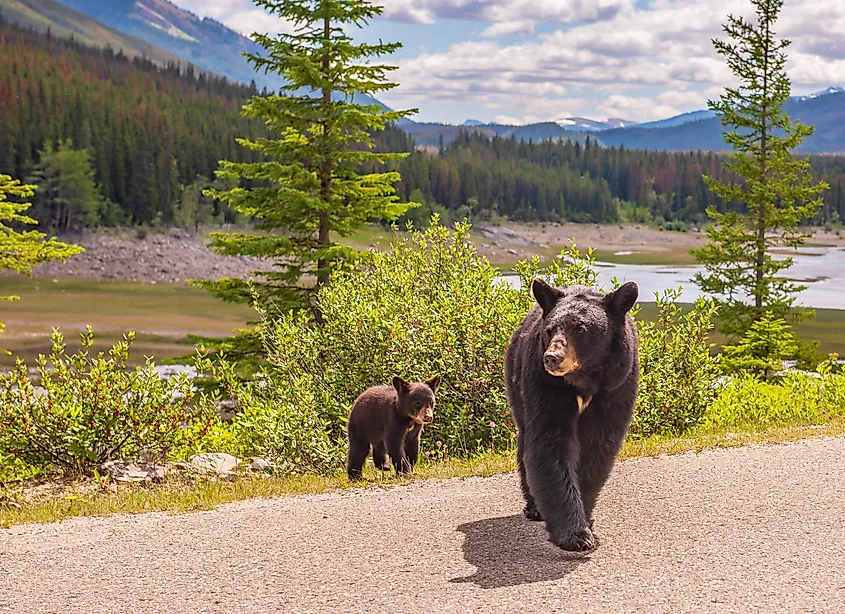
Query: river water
point(821, 269)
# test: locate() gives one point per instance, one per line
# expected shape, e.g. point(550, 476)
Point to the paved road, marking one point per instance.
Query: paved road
point(758, 529)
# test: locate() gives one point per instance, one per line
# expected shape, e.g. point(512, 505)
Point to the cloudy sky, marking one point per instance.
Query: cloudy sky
point(521, 61)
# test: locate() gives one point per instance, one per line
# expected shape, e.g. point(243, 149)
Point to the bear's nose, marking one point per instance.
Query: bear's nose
point(551, 361)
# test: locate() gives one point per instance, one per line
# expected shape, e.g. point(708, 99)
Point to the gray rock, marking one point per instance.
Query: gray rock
point(124, 471)
point(214, 462)
point(260, 464)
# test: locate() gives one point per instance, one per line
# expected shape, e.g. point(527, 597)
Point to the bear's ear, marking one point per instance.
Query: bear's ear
point(401, 385)
point(546, 295)
point(433, 383)
point(623, 299)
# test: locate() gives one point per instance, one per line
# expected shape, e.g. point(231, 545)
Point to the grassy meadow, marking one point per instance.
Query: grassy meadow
point(161, 314)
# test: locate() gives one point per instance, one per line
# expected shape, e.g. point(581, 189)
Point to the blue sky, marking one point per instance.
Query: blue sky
point(522, 61)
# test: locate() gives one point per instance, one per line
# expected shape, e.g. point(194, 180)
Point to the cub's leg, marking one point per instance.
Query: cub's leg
point(380, 457)
point(412, 445)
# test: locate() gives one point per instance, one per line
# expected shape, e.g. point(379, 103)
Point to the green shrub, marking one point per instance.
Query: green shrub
point(283, 421)
point(13, 469)
point(677, 371)
point(798, 398)
point(93, 409)
point(428, 305)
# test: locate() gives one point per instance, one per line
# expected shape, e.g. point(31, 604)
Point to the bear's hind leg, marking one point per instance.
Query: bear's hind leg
point(530, 511)
point(358, 450)
point(380, 457)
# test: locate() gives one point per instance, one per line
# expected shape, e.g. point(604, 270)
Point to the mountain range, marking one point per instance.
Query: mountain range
point(698, 130)
point(156, 29)
point(164, 33)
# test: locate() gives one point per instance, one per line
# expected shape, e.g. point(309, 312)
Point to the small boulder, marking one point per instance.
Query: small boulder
point(260, 464)
point(124, 471)
point(214, 462)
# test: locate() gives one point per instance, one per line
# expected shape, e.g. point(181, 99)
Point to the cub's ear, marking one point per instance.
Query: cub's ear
point(401, 385)
point(433, 383)
point(622, 300)
point(546, 296)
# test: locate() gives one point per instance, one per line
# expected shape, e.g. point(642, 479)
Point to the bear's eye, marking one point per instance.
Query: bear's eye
point(581, 329)
point(417, 405)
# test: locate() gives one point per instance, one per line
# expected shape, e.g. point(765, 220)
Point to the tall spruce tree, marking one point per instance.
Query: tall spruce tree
point(775, 191)
point(22, 251)
point(308, 190)
point(68, 197)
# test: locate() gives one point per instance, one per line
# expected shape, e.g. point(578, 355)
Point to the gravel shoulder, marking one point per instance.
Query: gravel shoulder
point(754, 529)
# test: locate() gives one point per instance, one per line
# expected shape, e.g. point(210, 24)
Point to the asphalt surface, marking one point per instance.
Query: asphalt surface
point(756, 529)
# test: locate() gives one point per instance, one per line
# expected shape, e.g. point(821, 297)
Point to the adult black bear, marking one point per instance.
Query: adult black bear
point(390, 419)
point(572, 375)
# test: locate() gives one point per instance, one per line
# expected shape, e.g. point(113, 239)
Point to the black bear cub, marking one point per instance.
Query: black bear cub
point(572, 374)
point(391, 420)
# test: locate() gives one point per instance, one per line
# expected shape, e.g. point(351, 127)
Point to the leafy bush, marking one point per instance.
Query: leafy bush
point(428, 305)
point(283, 422)
point(92, 409)
point(798, 398)
point(677, 372)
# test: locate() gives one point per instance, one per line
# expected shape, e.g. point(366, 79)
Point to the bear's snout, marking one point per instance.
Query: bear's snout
point(559, 359)
point(552, 361)
point(428, 416)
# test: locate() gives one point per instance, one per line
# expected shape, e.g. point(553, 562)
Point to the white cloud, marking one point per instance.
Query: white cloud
point(503, 11)
point(608, 57)
point(641, 108)
point(640, 64)
point(240, 15)
point(508, 28)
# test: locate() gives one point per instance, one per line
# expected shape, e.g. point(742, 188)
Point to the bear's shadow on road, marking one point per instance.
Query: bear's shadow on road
point(510, 551)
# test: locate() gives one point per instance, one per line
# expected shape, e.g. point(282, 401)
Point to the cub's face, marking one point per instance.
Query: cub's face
point(417, 400)
point(579, 324)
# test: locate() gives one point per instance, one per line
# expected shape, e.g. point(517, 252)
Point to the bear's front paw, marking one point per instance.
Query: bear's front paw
point(531, 512)
point(576, 541)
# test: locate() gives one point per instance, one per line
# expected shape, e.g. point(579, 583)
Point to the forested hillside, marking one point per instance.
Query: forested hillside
point(148, 130)
point(570, 181)
point(152, 137)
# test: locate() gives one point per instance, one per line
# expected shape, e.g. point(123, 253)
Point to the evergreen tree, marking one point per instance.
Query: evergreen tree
point(774, 190)
point(762, 349)
point(22, 251)
point(67, 196)
point(308, 190)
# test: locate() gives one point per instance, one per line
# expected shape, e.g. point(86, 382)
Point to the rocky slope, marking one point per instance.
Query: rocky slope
point(172, 257)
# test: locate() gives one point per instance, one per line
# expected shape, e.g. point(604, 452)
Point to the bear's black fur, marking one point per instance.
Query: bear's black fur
point(572, 375)
point(390, 419)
